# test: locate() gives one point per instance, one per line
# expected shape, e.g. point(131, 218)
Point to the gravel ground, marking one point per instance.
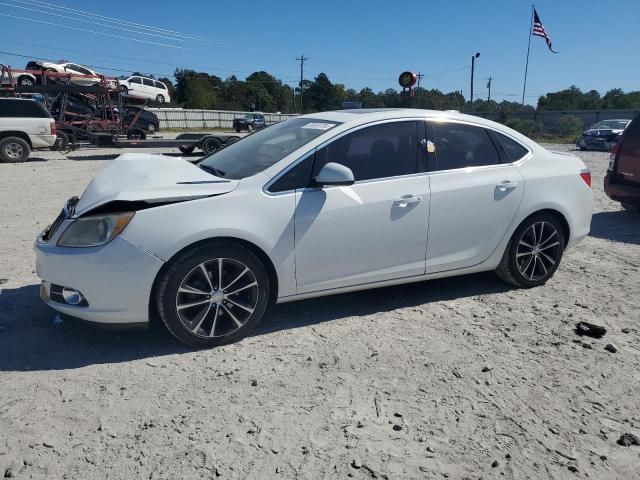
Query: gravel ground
point(455, 378)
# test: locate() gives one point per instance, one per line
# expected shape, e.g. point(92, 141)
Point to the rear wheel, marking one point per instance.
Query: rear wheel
point(14, 150)
point(160, 99)
point(213, 294)
point(210, 145)
point(534, 252)
point(125, 90)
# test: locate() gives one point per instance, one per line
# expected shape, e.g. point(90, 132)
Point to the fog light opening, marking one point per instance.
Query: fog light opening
point(72, 296)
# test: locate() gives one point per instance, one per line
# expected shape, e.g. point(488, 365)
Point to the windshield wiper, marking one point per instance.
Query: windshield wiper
point(212, 170)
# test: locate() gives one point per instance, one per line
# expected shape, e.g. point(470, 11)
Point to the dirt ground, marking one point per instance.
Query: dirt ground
point(461, 378)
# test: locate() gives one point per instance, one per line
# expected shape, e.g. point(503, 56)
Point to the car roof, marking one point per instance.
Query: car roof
point(362, 116)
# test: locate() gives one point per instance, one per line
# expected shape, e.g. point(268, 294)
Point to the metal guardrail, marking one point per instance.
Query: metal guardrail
point(189, 119)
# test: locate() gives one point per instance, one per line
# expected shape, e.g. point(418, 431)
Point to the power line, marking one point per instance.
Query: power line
point(93, 31)
point(94, 23)
point(86, 14)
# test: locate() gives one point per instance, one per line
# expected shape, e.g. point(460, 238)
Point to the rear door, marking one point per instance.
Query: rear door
point(475, 194)
point(628, 166)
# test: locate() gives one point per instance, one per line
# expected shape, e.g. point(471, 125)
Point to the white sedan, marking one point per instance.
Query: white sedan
point(316, 205)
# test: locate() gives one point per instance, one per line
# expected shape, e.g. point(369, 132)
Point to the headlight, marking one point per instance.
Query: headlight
point(95, 230)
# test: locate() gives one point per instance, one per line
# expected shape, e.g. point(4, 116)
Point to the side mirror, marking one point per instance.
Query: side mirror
point(334, 174)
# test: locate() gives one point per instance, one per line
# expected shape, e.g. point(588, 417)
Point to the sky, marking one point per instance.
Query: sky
point(356, 43)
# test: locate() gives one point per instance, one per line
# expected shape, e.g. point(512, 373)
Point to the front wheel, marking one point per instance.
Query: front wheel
point(213, 294)
point(534, 252)
point(160, 99)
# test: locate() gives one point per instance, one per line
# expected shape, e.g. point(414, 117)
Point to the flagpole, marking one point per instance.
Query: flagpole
point(526, 68)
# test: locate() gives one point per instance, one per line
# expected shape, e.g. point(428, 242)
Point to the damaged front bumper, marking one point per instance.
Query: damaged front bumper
point(114, 280)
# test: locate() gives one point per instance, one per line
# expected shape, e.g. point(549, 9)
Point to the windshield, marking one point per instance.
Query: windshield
point(612, 124)
point(258, 151)
point(248, 115)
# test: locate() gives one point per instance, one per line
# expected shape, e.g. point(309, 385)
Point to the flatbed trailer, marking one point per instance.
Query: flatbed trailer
point(185, 142)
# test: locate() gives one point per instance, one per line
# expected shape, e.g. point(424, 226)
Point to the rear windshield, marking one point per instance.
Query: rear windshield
point(258, 151)
point(22, 108)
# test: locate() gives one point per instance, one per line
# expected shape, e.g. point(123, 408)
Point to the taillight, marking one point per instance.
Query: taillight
point(612, 157)
point(586, 176)
point(53, 128)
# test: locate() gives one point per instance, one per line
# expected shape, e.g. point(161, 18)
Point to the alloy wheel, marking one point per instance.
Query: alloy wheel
point(538, 251)
point(217, 297)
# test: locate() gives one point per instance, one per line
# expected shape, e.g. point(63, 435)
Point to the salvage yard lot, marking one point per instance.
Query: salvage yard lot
point(463, 378)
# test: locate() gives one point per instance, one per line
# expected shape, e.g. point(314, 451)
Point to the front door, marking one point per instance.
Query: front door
point(373, 230)
point(475, 194)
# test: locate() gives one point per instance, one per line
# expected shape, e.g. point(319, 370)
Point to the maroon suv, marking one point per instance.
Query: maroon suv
point(622, 182)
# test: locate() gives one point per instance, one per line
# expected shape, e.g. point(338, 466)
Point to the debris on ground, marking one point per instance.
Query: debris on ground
point(611, 348)
point(590, 330)
point(628, 439)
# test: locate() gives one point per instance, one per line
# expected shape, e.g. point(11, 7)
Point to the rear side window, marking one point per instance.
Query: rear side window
point(22, 108)
point(297, 177)
point(160, 85)
point(380, 151)
point(513, 148)
point(147, 82)
point(461, 146)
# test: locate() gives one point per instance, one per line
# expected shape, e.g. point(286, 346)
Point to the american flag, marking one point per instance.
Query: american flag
point(539, 31)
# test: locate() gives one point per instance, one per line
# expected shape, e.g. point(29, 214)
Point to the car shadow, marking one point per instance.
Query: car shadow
point(34, 337)
point(618, 225)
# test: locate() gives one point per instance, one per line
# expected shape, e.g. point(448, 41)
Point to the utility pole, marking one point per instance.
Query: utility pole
point(473, 65)
point(489, 87)
point(302, 59)
point(420, 76)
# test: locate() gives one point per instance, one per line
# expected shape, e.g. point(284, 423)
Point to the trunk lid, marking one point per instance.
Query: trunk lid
point(135, 177)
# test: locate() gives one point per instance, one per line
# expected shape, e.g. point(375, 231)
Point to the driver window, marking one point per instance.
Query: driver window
point(461, 146)
point(380, 151)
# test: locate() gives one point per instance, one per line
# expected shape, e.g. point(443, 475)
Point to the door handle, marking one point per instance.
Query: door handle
point(507, 185)
point(404, 202)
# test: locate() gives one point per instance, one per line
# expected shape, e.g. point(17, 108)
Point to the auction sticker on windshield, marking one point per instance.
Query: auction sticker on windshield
point(319, 126)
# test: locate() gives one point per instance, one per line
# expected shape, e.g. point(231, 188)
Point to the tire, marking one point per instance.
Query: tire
point(151, 128)
point(160, 98)
point(187, 148)
point(630, 207)
point(213, 316)
point(543, 236)
point(238, 130)
point(63, 144)
point(14, 150)
point(25, 81)
point(210, 145)
point(249, 128)
point(125, 90)
point(136, 134)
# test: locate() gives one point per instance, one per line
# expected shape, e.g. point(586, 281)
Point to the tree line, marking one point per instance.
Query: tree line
point(262, 91)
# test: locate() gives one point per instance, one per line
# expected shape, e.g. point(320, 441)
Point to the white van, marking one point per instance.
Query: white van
point(145, 88)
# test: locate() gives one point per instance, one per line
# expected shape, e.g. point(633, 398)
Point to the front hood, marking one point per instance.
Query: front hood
point(140, 177)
